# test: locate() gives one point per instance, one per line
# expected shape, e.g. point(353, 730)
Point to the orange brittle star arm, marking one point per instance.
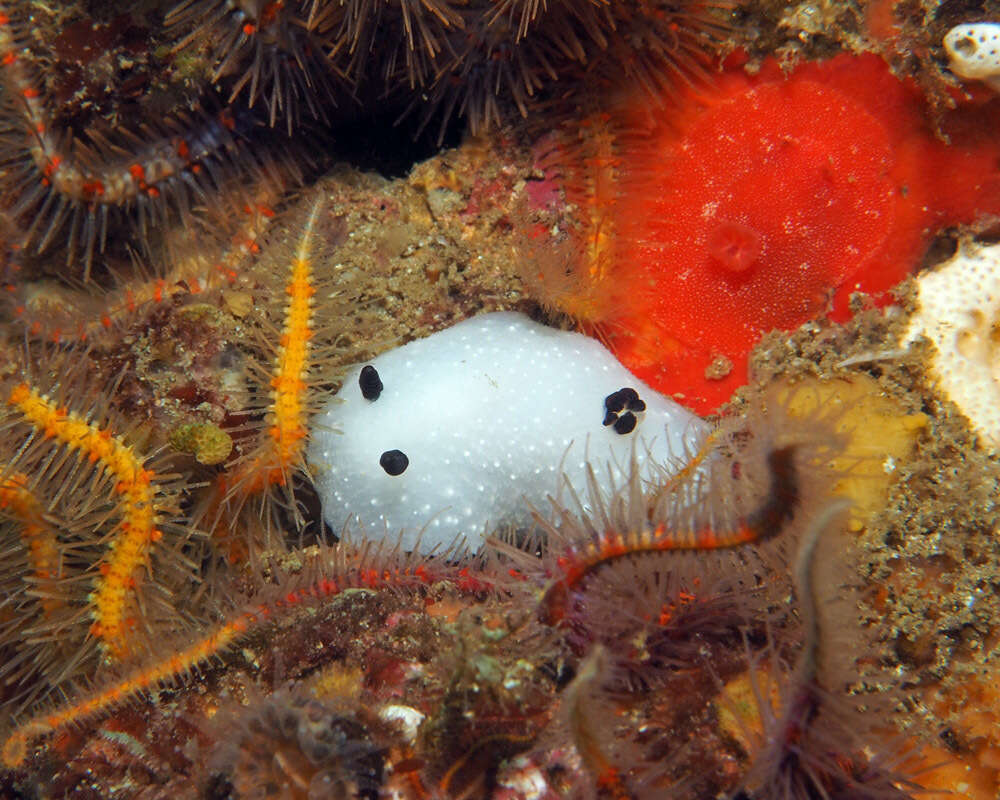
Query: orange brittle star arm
point(136, 491)
point(39, 539)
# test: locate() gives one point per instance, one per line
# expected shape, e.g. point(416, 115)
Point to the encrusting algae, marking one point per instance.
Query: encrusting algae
point(208, 216)
point(207, 442)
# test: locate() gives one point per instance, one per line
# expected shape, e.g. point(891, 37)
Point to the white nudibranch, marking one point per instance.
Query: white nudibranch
point(974, 51)
point(464, 431)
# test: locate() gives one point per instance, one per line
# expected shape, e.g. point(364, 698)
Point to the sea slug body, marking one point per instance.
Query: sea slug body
point(474, 426)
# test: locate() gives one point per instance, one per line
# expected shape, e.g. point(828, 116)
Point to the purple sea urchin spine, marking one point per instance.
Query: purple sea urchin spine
point(275, 50)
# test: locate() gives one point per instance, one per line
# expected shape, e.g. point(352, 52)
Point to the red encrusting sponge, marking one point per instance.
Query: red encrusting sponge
point(765, 201)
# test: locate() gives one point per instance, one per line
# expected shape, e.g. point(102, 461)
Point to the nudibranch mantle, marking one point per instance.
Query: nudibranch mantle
point(476, 424)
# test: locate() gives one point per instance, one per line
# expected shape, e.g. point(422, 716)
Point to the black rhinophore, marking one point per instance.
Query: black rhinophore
point(625, 423)
point(394, 462)
point(616, 402)
point(371, 385)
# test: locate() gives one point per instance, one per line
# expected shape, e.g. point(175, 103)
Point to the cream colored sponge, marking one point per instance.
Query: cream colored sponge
point(974, 51)
point(959, 312)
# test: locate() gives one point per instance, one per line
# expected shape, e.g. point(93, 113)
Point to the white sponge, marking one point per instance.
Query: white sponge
point(974, 51)
point(473, 424)
point(959, 311)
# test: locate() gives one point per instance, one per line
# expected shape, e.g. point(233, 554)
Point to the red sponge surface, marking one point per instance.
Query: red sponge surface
point(766, 201)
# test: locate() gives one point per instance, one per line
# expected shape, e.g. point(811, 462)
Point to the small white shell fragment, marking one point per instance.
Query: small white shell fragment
point(959, 312)
point(407, 717)
point(524, 780)
point(490, 414)
point(974, 51)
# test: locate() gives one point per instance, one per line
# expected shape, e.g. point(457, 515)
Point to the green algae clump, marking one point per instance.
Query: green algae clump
point(208, 443)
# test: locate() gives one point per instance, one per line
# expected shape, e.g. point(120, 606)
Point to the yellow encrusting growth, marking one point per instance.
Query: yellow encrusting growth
point(206, 441)
point(878, 432)
point(135, 487)
point(19, 502)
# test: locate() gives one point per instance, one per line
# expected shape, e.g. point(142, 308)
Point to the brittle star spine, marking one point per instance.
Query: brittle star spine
point(37, 535)
point(62, 182)
point(136, 489)
point(280, 452)
point(347, 570)
point(764, 522)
